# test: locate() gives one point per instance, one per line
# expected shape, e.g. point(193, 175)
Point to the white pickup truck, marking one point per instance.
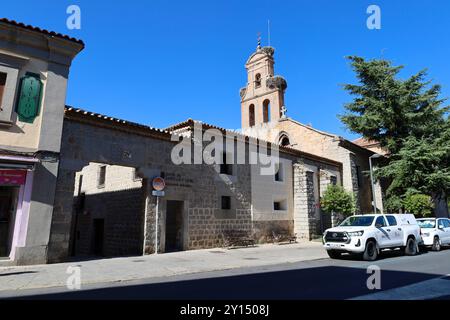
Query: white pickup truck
point(368, 235)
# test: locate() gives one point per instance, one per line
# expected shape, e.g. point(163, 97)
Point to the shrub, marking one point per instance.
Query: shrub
point(337, 200)
point(394, 204)
point(419, 204)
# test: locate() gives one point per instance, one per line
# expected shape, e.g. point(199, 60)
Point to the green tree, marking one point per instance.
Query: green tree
point(387, 109)
point(408, 119)
point(419, 204)
point(336, 200)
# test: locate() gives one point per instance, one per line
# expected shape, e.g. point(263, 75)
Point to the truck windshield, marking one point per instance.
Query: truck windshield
point(357, 222)
point(426, 224)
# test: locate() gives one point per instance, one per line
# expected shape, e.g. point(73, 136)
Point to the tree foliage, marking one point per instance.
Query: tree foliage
point(419, 204)
point(337, 200)
point(408, 118)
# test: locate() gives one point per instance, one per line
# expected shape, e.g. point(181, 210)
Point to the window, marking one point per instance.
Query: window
point(258, 80)
point(101, 177)
point(380, 222)
point(358, 175)
point(279, 174)
point(392, 221)
point(136, 175)
point(266, 111)
point(2, 86)
point(446, 223)
point(441, 223)
point(251, 115)
point(284, 141)
point(226, 168)
point(333, 180)
point(226, 203)
point(279, 205)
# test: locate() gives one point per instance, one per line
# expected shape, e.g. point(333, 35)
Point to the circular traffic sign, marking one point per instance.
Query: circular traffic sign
point(158, 184)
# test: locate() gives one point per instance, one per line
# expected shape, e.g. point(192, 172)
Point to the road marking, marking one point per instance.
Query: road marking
point(429, 289)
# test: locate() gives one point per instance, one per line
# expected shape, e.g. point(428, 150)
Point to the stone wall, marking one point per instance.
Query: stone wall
point(207, 231)
point(263, 231)
point(122, 213)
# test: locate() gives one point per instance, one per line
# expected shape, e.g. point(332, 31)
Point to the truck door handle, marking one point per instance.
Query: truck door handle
point(399, 229)
point(388, 230)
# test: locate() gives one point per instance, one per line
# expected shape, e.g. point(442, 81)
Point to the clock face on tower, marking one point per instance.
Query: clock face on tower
point(29, 98)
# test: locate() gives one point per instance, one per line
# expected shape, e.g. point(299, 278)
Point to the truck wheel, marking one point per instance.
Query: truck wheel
point(436, 244)
point(333, 254)
point(411, 247)
point(371, 253)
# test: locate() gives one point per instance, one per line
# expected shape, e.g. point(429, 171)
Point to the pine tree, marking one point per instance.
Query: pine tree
point(408, 119)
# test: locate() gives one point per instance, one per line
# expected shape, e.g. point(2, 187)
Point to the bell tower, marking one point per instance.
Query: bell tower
point(262, 100)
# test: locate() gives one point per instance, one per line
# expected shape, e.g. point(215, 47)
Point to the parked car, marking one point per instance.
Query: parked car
point(435, 232)
point(368, 235)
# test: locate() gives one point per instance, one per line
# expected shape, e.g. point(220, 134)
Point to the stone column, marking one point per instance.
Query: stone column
point(304, 202)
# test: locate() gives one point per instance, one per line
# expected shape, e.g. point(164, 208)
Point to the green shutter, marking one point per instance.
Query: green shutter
point(29, 97)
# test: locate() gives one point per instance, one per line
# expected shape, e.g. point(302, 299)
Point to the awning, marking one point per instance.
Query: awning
point(17, 162)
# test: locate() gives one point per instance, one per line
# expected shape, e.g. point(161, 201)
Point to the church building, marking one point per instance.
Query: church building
point(263, 115)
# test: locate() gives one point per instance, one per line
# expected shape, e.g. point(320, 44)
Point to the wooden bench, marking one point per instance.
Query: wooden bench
point(238, 239)
point(280, 237)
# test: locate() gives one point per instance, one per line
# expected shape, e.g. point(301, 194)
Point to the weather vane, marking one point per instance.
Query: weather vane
point(259, 40)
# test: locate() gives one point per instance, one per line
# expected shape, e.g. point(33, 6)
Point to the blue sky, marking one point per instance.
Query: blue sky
point(159, 62)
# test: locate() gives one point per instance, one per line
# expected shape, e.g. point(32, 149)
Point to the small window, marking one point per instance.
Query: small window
point(251, 115)
point(284, 141)
point(358, 175)
point(2, 86)
point(258, 80)
point(333, 180)
point(380, 222)
point(279, 174)
point(279, 205)
point(441, 223)
point(276, 206)
point(226, 203)
point(226, 168)
point(266, 111)
point(136, 175)
point(101, 176)
point(392, 221)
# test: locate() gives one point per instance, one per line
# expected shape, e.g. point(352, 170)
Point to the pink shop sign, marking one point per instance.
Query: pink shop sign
point(13, 177)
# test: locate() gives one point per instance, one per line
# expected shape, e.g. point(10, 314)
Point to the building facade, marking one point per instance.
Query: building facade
point(77, 183)
point(263, 115)
point(34, 69)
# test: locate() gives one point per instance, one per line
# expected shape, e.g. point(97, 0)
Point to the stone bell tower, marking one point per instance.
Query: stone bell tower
point(262, 100)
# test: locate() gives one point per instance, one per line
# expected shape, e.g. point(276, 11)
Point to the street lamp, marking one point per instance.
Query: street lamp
point(374, 156)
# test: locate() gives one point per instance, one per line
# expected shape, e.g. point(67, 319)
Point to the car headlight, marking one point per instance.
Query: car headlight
point(355, 233)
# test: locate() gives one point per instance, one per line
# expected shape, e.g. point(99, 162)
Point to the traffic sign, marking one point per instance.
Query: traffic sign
point(158, 184)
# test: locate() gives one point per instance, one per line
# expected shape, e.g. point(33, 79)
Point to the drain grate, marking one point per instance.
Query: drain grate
point(217, 251)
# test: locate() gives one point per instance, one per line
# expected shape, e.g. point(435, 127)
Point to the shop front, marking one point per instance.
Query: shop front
point(16, 175)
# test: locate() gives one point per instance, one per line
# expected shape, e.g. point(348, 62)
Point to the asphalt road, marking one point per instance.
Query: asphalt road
point(420, 277)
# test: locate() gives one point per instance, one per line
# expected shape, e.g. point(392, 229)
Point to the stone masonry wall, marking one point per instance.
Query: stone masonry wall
point(122, 212)
point(206, 231)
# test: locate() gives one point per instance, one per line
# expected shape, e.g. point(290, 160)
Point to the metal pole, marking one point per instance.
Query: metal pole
point(373, 186)
point(156, 225)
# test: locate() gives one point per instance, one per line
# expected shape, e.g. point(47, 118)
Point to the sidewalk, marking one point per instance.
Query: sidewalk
point(163, 265)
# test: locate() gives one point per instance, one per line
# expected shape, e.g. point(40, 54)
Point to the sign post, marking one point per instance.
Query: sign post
point(158, 184)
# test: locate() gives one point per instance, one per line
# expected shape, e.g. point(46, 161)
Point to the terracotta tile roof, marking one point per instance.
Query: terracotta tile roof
point(72, 113)
point(189, 123)
point(44, 31)
point(362, 142)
